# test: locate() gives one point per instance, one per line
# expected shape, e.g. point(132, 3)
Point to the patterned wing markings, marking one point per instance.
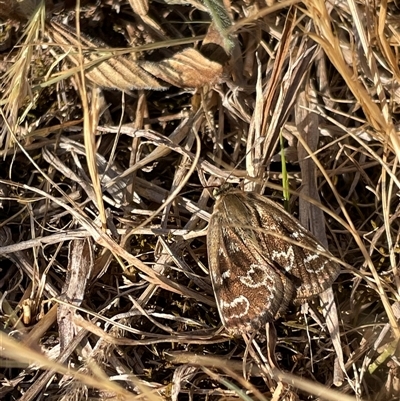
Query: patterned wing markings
point(255, 274)
point(305, 261)
point(249, 290)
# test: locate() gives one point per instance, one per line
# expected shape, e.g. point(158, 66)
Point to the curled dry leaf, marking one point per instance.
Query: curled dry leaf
point(187, 69)
point(119, 72)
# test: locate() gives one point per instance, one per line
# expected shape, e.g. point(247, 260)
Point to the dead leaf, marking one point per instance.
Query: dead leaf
point(119, 72)
point(187, 69)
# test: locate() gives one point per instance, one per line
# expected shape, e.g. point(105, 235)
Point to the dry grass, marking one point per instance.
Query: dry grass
point(105, 195)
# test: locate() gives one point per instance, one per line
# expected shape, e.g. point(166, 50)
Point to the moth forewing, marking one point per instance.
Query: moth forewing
point(303, 256)
point(255, 272)
point(249, 290)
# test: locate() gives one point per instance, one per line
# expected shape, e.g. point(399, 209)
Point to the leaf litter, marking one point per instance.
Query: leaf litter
point(118, 120)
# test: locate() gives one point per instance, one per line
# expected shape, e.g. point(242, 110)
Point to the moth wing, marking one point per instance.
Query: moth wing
point(311, 270)
point(249, 290)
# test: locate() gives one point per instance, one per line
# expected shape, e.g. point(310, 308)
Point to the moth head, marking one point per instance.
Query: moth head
point(222, 190)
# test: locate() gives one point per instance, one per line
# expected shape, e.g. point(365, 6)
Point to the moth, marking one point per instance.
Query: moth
point(260, 259)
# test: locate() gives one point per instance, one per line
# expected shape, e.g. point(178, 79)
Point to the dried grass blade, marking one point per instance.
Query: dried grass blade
point(14, 350)
point(140, 7)
point(15, 81)
point(80, 265)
